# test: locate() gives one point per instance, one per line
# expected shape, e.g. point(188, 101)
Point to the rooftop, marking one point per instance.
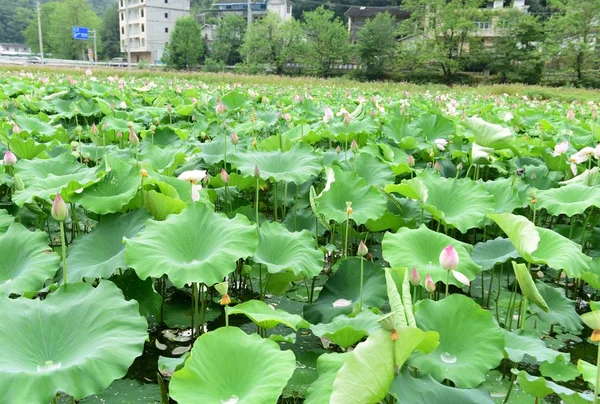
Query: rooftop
point(370, 12)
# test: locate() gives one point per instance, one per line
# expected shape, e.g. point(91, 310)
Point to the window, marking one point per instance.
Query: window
point(166, 1)
point(143, 28)
point(122, 17)
point(122, 30)
point(166, 15)
point(142, 13)
point(289, 9)
point(121, 3)
point(483, 25)
point(166, 30)
point(263, 6)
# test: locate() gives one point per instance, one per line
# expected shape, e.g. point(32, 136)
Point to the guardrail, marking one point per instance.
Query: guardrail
point(25, 61)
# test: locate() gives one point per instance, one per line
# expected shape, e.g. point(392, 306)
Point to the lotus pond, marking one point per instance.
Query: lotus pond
point(167, 240)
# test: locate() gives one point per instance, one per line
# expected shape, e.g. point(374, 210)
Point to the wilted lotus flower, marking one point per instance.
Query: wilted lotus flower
point(220, 108)
point(561, 148)
point(287, 117)
point(346, 118)
point(133, 138)
point(16, 129)
point(411, 160)
point(94, 129)
point(192, 176)
point(415, 279)
point(224, 176)
point(449, 258)
point(234, 138)
point(441, 144)
point(362, 249)
point(328, 115)
point(354, 146)
point(59, 210)
point(429, 284)
point(9, 158)
point(570, 114)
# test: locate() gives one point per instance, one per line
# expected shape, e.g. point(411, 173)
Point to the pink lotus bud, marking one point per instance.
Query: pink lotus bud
point(9, 158)
point(16, 129)
point(362, 249)
point(411, 160)
point(459, 166)
point(169, 108)
point(570, 114)
point(59, 211)
point(287, 117)
point(449, 258)
point(437, 99)
point(415, 279)
point(429, 285)
point(119, 134)
point(220, 108)
point(234, 138)
point(133, 139)
point(354, 146)
point(256, 172)
point(104, 126)
point(297, 98)
point(346, 119)
point(94, 129)
point(338, 150)
point(436, 166)
point(224, 176)
point(328, 116)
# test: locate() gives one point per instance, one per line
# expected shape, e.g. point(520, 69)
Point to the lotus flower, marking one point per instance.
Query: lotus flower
point(354, 146)
point(88, 72)
point(287, 117)
point(561, 148)
point(328, 116)
point(123, 105)
point(570, 114)
point(94, 129)
point(220, 108)
point(133, 138)
point(195, 193)
point(429, 284)
point(449, 258)
point(362, 249)
point(436, 166)
point(461, 277)
point(346, 119)
point(16, 129)
point(508, 116)
point(574, 169)
point(411, 160)
point(338, 150)
point(415, 279)
point(224, 176)
point(59, 210)
point(9, 158)
point(441, 144)
point(341, 303)
point(192, 176)
point(582, 155)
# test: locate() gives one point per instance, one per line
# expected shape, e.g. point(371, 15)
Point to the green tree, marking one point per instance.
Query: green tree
point(575, 33)
point(109, 32)
point(272, 41)
point(31, 32)
point(15, 15)
point(441, 31)
point(185, 48)
point(377, 44)
point(326, 40)
point(228, 39)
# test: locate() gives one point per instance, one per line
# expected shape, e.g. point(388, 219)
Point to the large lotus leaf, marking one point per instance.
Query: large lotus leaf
point(142, 291)
point(569, 200)
point(521, 232)
point(99, 253)
point(489, 134)
point(492, 252)
point(235, 100)
point(125, 391)
point(26, 261)
point(562, 310)
point(77, 340)
point(281, 250)
point(32, 125)
point(561, 370)
point(412, 189)
point(540, 387)
point(328, 366)
point(420, 248)
point(507, 194)
point(462, 203)
point(373, 170)
point(528, 288)
point(588, 371)
point(43, 178)
point(266, 317)
point(25, 148)
point(426, 390)
point(367, 373)
point(229, 366)
point(298, 165)
point(433, 126)
point(5, 220)
point(344, 286)
point(197, 245)
point(519, 343)
point(118, 186)
point(367, 202)
point(346, 331)
point(466, 353)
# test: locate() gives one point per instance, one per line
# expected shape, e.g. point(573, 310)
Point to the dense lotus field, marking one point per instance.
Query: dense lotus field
point(166, 240)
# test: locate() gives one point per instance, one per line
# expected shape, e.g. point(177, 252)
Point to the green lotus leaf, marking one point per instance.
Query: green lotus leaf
point(266, 317)
point(235, 100)
point(77, 340)
point(281, 250)
point(507, 194)
point(569, 200)
point(227, 366)
point(26, 148)
point(521, 232)
point(43, 178)
point(298, 165)
point(344, 286)
point(488, 254)
point(562, 310)
point(346, 331)
point(433, 126)
point(161, 205)
point(99, 253)
point(27, 260)
point(420, 248)
point(527, 286)
point(126, 391)
point(466, 353)
point(540, 387)
point(426, 390)
point(560, 370)
point(412, 189)
point(328, 366)
point(5, 220)
point(113, 191)
point(489, 134)
point(367, 202)
point(367, 373)
point(141, 291)
point(519, 343)
point(592, 319)
point(33, 125)
point(372, 169)
point(588, 371)
point(461, 203)
point(197, 245)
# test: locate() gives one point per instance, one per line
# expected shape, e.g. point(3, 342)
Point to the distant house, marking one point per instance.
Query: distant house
point(259, 8)
point(14, 49)
point(358, 16)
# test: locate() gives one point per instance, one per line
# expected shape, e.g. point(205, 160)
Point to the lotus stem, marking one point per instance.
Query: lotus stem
point(63, 243)
point(360, 298)
point(275, 200)
point(447, 281)
point(312, 289)
point(284, 204)
point(296, 206)
point(203, 308)
point(226, 318)
point(256, 203)
point(597, 376)
point(346, 239)
point(346, 148)
point(524, 304)
point(195, 309)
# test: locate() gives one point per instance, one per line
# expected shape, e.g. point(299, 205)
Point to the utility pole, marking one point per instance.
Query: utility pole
point(249, 14)
point(40, 31)
point(127, 37)
point(95, 54)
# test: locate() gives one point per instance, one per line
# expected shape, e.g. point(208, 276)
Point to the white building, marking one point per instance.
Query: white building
point(147, 25)
point(14, 49)
point(259, 8)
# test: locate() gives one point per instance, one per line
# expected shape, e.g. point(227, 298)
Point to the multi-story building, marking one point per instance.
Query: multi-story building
point(259, 8)
point(145, 26)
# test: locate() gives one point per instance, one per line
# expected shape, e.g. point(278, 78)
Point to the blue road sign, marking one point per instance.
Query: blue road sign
point(80, 33)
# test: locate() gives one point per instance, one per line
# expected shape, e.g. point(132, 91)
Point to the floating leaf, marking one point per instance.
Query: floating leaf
point(520, 343)
point(488, 254)
point(346, 331)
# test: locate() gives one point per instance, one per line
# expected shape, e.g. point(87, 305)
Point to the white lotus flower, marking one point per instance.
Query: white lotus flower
point(341, 303)
point(582, 155)
point(441, 144)
point(561, 148)
point(196, 192)
point(192, 176)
